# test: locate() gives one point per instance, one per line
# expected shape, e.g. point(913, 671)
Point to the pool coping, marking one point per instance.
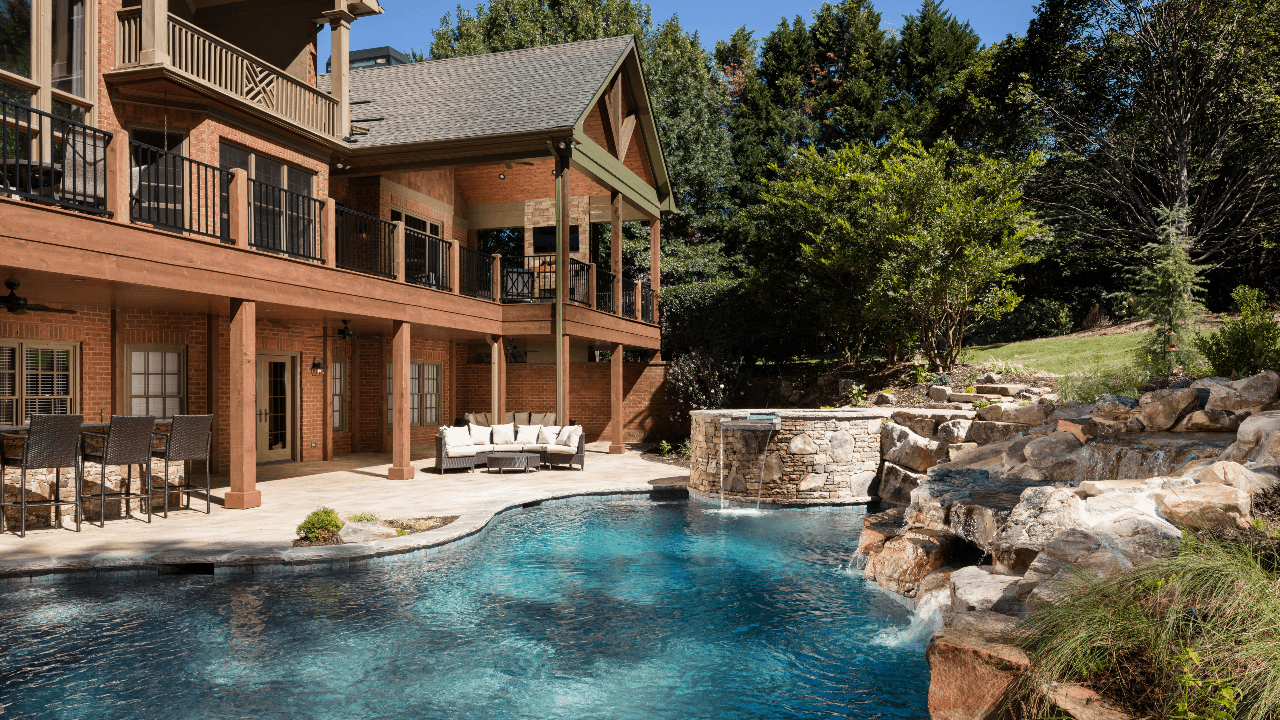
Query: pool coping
point(469, 525)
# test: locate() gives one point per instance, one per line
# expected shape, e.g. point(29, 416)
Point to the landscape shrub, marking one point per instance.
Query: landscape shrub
point(1034, 318)
point(1189, 636)
point(364, 517)
point(1166, 291)
point(321, 525)
point(701, 382)
point(1097, 380)
point(1246, 346)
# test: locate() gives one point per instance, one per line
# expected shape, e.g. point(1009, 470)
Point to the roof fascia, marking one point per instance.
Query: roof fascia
point(605, 169)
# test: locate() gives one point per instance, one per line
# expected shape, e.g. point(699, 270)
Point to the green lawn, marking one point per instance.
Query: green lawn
point(1060, 355)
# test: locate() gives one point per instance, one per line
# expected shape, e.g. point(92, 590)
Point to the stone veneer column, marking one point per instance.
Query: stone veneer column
point(400, 353)
point(242, 366)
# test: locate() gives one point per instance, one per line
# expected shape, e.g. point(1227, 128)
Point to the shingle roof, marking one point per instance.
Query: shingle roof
point(538, 88)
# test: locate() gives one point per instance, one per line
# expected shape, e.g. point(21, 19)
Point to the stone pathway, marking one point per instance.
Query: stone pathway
point(349, 484)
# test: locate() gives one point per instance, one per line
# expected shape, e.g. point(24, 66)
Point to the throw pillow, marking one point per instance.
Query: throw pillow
point(523, 419)
point(479, 435)
point(527, 434)
point(456, 436)
point(562, 437)
point(504, 434)
point(575, 433)
point(547, 434)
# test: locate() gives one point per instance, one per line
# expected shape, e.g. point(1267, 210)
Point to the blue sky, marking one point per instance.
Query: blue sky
point(408, 23)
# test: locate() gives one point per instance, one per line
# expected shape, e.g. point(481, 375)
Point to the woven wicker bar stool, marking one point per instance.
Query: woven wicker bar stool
point(128, 443)
point(51, 442)
point(189, 439)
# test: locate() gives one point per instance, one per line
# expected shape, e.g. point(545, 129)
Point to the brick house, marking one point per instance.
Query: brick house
point(302, 254)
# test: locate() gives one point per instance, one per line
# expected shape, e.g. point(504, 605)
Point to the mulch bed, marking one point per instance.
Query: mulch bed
point(681, 461)
point(411, 526)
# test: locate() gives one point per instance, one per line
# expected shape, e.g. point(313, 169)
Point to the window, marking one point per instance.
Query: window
point(280, 221)
point(158, 178)
point(53, 74)
point(37, 378)
point(68, 46)
point(265, 170)
point(544, 239)
point(338, 378)
point(156, 384)
point(424, 394)
point(425, 255)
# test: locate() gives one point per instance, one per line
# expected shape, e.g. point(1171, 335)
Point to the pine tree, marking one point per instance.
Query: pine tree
point(933, 47)
point(1167, 293)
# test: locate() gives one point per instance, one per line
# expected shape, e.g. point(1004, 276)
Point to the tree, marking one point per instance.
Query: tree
point(1166, 292)
point(901, 236)
point(933, 47)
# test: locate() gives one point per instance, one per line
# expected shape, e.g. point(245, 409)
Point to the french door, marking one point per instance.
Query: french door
point(276, 386)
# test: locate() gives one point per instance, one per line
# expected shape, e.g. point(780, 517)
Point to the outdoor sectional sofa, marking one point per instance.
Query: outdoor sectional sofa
point(463, 455)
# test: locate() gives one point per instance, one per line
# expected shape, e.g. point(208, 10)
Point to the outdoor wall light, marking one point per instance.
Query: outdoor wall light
point(502, 176)
point(317, 367)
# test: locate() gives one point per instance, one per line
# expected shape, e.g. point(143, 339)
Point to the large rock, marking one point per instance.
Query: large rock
point(1007, 390)
point(1243, 394)
point(977, 588)
point(1142, 538)
point(969, 675)
point(354, 532)
point(1063, 551)
point(1028, 414)
point(883, 398)
point(1205, 506)
point(1162, 409)
point(904, 561)
point(1042, 513)
point(985, 433)
point(1211, 421)
point(878, 528)
point(896, 483)
point(1257, 441)
point(1237, 476)
point(1115, 408)
point(940, 393)
point(1146, 455)
point(925, 427)
point(978, 523)
point(802, 444)
point(953, 431)
point(900, 446)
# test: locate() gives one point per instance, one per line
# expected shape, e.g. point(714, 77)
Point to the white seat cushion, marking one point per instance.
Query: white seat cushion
point(547, 434)
point(483, 448)
point(508, 448)
point(462, 451)
point(534, 448)
point(480, 435)
point(562, 449)
point(527, 434)
point(504, 434)
point(456, 437)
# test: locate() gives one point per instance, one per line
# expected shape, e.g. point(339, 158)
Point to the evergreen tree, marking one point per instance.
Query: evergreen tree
point(932, 49)
point(1167, 292)
point(848, 81)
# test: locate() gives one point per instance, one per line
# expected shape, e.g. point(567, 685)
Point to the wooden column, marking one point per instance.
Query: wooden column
point(616, 445)
point(155, 33)
point(591, 286)
point(455, 267)
point(655, 261)
point(402, 272)
point(564, 150)
point(238, 208)
point(564, 387)
point(498, 382)
point(242, 366)
point(340, 65)
point(329, 236)
point(615, 249)
point(326, 387)
point(400, 356)
point(496, 277)
point(117, 179)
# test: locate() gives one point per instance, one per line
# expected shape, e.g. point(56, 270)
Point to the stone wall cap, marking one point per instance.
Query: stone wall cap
point(799, 414)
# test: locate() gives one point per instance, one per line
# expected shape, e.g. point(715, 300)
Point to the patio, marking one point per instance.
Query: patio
point(349, 484)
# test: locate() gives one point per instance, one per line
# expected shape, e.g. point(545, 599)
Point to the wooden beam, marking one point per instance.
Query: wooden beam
point(624, 141)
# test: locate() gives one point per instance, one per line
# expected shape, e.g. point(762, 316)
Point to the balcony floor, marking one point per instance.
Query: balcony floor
point(349, 484)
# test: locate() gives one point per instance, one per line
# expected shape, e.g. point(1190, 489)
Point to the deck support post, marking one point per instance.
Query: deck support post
point(563, 150)
point(242, 366)
point(498, 383)
point(400, 352)
point(616, 446)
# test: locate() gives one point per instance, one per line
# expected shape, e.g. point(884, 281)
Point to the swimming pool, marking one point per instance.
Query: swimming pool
point(620, 608)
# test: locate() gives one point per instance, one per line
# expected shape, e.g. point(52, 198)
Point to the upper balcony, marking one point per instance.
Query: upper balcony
point(210, 52)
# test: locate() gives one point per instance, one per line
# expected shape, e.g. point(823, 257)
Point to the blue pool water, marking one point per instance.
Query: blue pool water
point(610, 608)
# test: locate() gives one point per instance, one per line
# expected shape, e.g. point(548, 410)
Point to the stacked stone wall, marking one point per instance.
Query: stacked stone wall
point(814, 457)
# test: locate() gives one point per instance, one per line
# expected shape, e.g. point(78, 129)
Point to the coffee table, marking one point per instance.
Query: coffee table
point(513, 460)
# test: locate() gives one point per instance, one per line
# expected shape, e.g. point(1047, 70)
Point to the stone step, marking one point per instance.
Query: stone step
point(1004, 390)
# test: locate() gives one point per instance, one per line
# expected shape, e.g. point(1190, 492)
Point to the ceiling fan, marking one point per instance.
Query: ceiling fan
point(18, 305)
point(343, 333)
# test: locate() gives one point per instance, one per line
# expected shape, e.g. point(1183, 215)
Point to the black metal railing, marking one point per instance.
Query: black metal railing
point(427, 260)
point(283, 221)
point(579, 282)
point(628, 299)
point(604, 290)
point(364, 243)
point(475, 273)
point(52, 159)
point(174, 192)
point(646, 302)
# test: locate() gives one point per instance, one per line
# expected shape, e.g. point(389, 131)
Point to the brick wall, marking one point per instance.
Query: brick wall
point(646, 410)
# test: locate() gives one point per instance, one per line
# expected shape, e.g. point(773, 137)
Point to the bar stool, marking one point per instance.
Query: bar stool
point(52, 441)
point(188, 439)
point(128, 443)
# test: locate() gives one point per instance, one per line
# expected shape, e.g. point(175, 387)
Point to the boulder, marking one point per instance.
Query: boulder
point(1027, 414)
point(883, 398)
point(896, 483)
point(977, 588)
point(902, 447)
point(987, 623)
point(1115, 407)
point(354, 532)
point(1063, 551)
point(985, 433)
point(969, 675)
point(1101, 508)
point(878, 528)
point(1093, 488)
point(941, 393)
point(1015, 452)
point(1084, 429)
point(802, 444)
point(926, 427)
point(1211, 421)
point(953, 431)
point(1081, 703)
point(961, 452)
point(1257, 441)
point(1002, 390)
point(1042, 513)
point(989, 378)
point(978, 523)
point(1161, 409)
point(1052, 449)
point(1141, 538)
point(1049, 399)
point(1237, 476)
point(1246, 393)
point(1206, 506)
point(904, 561)
point(1145, 455)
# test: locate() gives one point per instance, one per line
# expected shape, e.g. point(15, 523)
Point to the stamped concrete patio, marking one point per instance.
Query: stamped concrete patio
point(349, 484)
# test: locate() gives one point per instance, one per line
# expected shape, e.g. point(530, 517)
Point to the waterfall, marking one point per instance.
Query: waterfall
point(926, 619)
